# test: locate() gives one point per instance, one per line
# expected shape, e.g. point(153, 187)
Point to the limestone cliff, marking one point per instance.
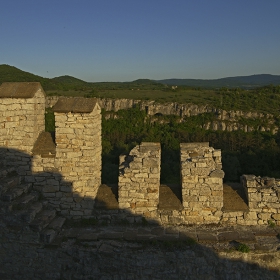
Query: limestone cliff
point(223, 120)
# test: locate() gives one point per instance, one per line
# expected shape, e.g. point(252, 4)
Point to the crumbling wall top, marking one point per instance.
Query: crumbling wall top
point(20, 89)
point(194, 145)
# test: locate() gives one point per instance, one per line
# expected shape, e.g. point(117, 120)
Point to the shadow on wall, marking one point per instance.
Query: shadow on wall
point(174, 257)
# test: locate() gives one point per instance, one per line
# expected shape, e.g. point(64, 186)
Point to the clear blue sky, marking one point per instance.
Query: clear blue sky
point(123, 40)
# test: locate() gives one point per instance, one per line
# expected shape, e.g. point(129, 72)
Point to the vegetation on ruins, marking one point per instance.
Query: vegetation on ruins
point(243, 248)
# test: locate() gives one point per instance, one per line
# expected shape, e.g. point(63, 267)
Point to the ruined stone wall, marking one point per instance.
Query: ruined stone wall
point(202, 182)
point(21, 121)
point(263, 196)
point(68, 174)
point(139, 178)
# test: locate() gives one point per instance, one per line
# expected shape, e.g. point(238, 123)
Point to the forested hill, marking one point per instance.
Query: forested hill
point(65, 83)
point(12, 74)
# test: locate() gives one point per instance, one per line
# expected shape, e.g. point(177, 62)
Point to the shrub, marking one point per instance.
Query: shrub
point(243, 248)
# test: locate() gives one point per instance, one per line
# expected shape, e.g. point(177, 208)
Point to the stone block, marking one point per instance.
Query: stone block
point(217, 193)
point(190, 179)
point(50, 189)
point(276, 216)
point(217, 174)
point(264, 216)
point(48, 195)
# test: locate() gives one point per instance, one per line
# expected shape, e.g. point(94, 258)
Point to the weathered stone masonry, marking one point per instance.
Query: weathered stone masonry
point(263, 196)
point(22, 119)
point(77, 159)
point(68, 172)
point(22, 107)
point(202, 182)
point(139, 179)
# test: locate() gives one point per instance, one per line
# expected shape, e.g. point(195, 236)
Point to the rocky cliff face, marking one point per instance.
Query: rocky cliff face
point(224, 120)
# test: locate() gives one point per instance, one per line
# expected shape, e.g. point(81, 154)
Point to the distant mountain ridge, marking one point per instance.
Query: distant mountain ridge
point(12, 74)
point(238, 81)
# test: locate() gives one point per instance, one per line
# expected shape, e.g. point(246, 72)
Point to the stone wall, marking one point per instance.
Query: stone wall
point(68, 172)
point(22, 118)
point(139, 178)
point(263, 196)
point(202, 182)
point(70, 176)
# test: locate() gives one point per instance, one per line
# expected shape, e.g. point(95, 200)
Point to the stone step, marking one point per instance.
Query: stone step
point(9, 183)
point(57, 223)
point(29, 214)
point(42, 220)
point(48, 235)
point(22, 217)
point(24, 201)
point(16, 192)
point(20, 203)
point(30, 197)
point(5, 171)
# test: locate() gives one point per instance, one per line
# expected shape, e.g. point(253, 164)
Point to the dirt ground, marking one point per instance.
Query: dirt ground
point(170, 197)
point(234, 197)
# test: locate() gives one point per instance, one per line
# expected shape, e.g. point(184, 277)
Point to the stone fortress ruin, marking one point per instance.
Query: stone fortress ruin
point(65, 169)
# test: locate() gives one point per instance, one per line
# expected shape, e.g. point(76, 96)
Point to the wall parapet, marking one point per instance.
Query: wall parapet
point(139, 178)
point(76, 159)
point(263, 195)
point(22, 118)
point(202, 182)
point(68, 172)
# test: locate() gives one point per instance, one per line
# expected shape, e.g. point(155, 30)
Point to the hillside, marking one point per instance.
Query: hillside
point(12, 74)
point(69, 80)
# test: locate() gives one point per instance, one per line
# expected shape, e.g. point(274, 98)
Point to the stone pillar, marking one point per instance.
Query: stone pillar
point(78, 153)
point(139, 178)
point(202, 182)
point(22, 115)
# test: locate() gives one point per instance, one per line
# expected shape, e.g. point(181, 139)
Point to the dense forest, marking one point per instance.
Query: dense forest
point(242, 153)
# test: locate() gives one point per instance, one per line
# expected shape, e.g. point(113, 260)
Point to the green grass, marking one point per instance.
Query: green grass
point(161, 96)
point(243, 248)
point(271, 223)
